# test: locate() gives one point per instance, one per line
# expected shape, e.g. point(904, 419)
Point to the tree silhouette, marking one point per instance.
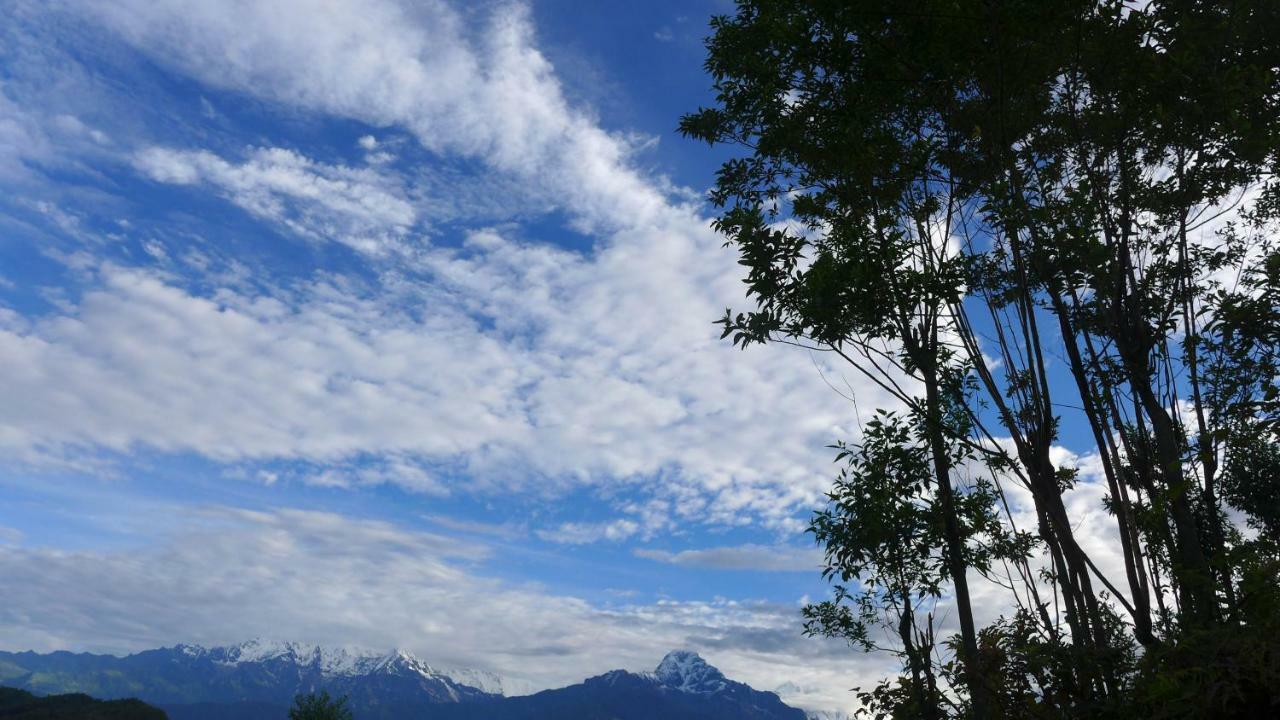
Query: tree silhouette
point(319, 706)
point(1011, 217)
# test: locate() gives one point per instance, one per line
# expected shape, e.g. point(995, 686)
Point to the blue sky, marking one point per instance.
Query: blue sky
point(391, 324)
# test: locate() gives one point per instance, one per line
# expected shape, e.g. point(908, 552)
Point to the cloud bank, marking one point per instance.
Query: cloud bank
point(502, 362)
point(229, 574)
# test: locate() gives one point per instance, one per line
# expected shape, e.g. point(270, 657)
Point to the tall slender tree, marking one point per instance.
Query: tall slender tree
point(975, 190)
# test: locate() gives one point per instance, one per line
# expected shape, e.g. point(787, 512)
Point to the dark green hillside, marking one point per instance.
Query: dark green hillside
point(22, 705)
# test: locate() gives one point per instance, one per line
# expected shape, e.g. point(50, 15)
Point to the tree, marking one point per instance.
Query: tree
point(319, 706)
point(973, 189)
point(884, 528)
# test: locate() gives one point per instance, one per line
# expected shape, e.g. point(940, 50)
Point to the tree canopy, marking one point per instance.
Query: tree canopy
point(1018, 217)
point(319, 706)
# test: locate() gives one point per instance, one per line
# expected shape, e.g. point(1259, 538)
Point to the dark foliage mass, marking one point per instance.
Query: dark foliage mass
point(1019, 218)
point(21, 705)
point(319, 706)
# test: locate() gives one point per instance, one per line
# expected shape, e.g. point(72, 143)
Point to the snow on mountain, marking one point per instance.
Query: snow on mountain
point(259, 679)
point(491, 683)
point(827, 715)
point(686, 670)
point(799, 696)
point(258, 650)
point(333, 662)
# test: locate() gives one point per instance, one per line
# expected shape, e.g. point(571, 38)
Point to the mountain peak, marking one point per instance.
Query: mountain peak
point(681, 656)
point(259, 649)
point(258, 679)
point(330, 660)
point(686, 670)
point(335, 663)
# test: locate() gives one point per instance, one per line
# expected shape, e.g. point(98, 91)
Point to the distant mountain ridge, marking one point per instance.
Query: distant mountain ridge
point(258, 680)
point(256, 671)
point(351, 662)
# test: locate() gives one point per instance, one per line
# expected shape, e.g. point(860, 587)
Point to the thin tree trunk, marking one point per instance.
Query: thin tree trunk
point(979, 692)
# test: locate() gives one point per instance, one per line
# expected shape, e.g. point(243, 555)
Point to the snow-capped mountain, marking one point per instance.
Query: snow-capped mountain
point(330, 661)
point(682, 687)
point(827, 715)
point(258, 680)
point(686, 670)
point(337, 662)
point(794, 694)
point(257, 674)
point(489, 682)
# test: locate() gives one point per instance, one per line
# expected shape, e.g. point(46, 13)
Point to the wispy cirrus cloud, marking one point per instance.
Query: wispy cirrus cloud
point(357, 206)
point(576, 533)
point(476, 89)
point(768, 558)
point(485, 369)
point(583, 369)
point(10, 536)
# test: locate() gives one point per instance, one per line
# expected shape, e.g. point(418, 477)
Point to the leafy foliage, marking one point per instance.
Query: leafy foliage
point(319, 706)
point(950, 195)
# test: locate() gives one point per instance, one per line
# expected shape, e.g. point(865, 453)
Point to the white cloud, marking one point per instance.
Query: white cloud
point(579, 369)
point(357, 206)
point(521, 363)
point(505, 531)
point(46, 128)
point(575, 371)
point(10, 536)
point(1093, 528)
point(583, 369)
point(487, 94)
point(582, 533)
point(382, 471)
point(74, 126)
point(22, 139)
point(742, 557)
point(240, 377)
point(596, 367)
point(224, 575)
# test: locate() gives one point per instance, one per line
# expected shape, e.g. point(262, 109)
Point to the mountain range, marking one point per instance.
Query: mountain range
point(258, 680)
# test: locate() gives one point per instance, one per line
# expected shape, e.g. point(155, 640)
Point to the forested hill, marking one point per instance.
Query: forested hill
point(21, 705)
